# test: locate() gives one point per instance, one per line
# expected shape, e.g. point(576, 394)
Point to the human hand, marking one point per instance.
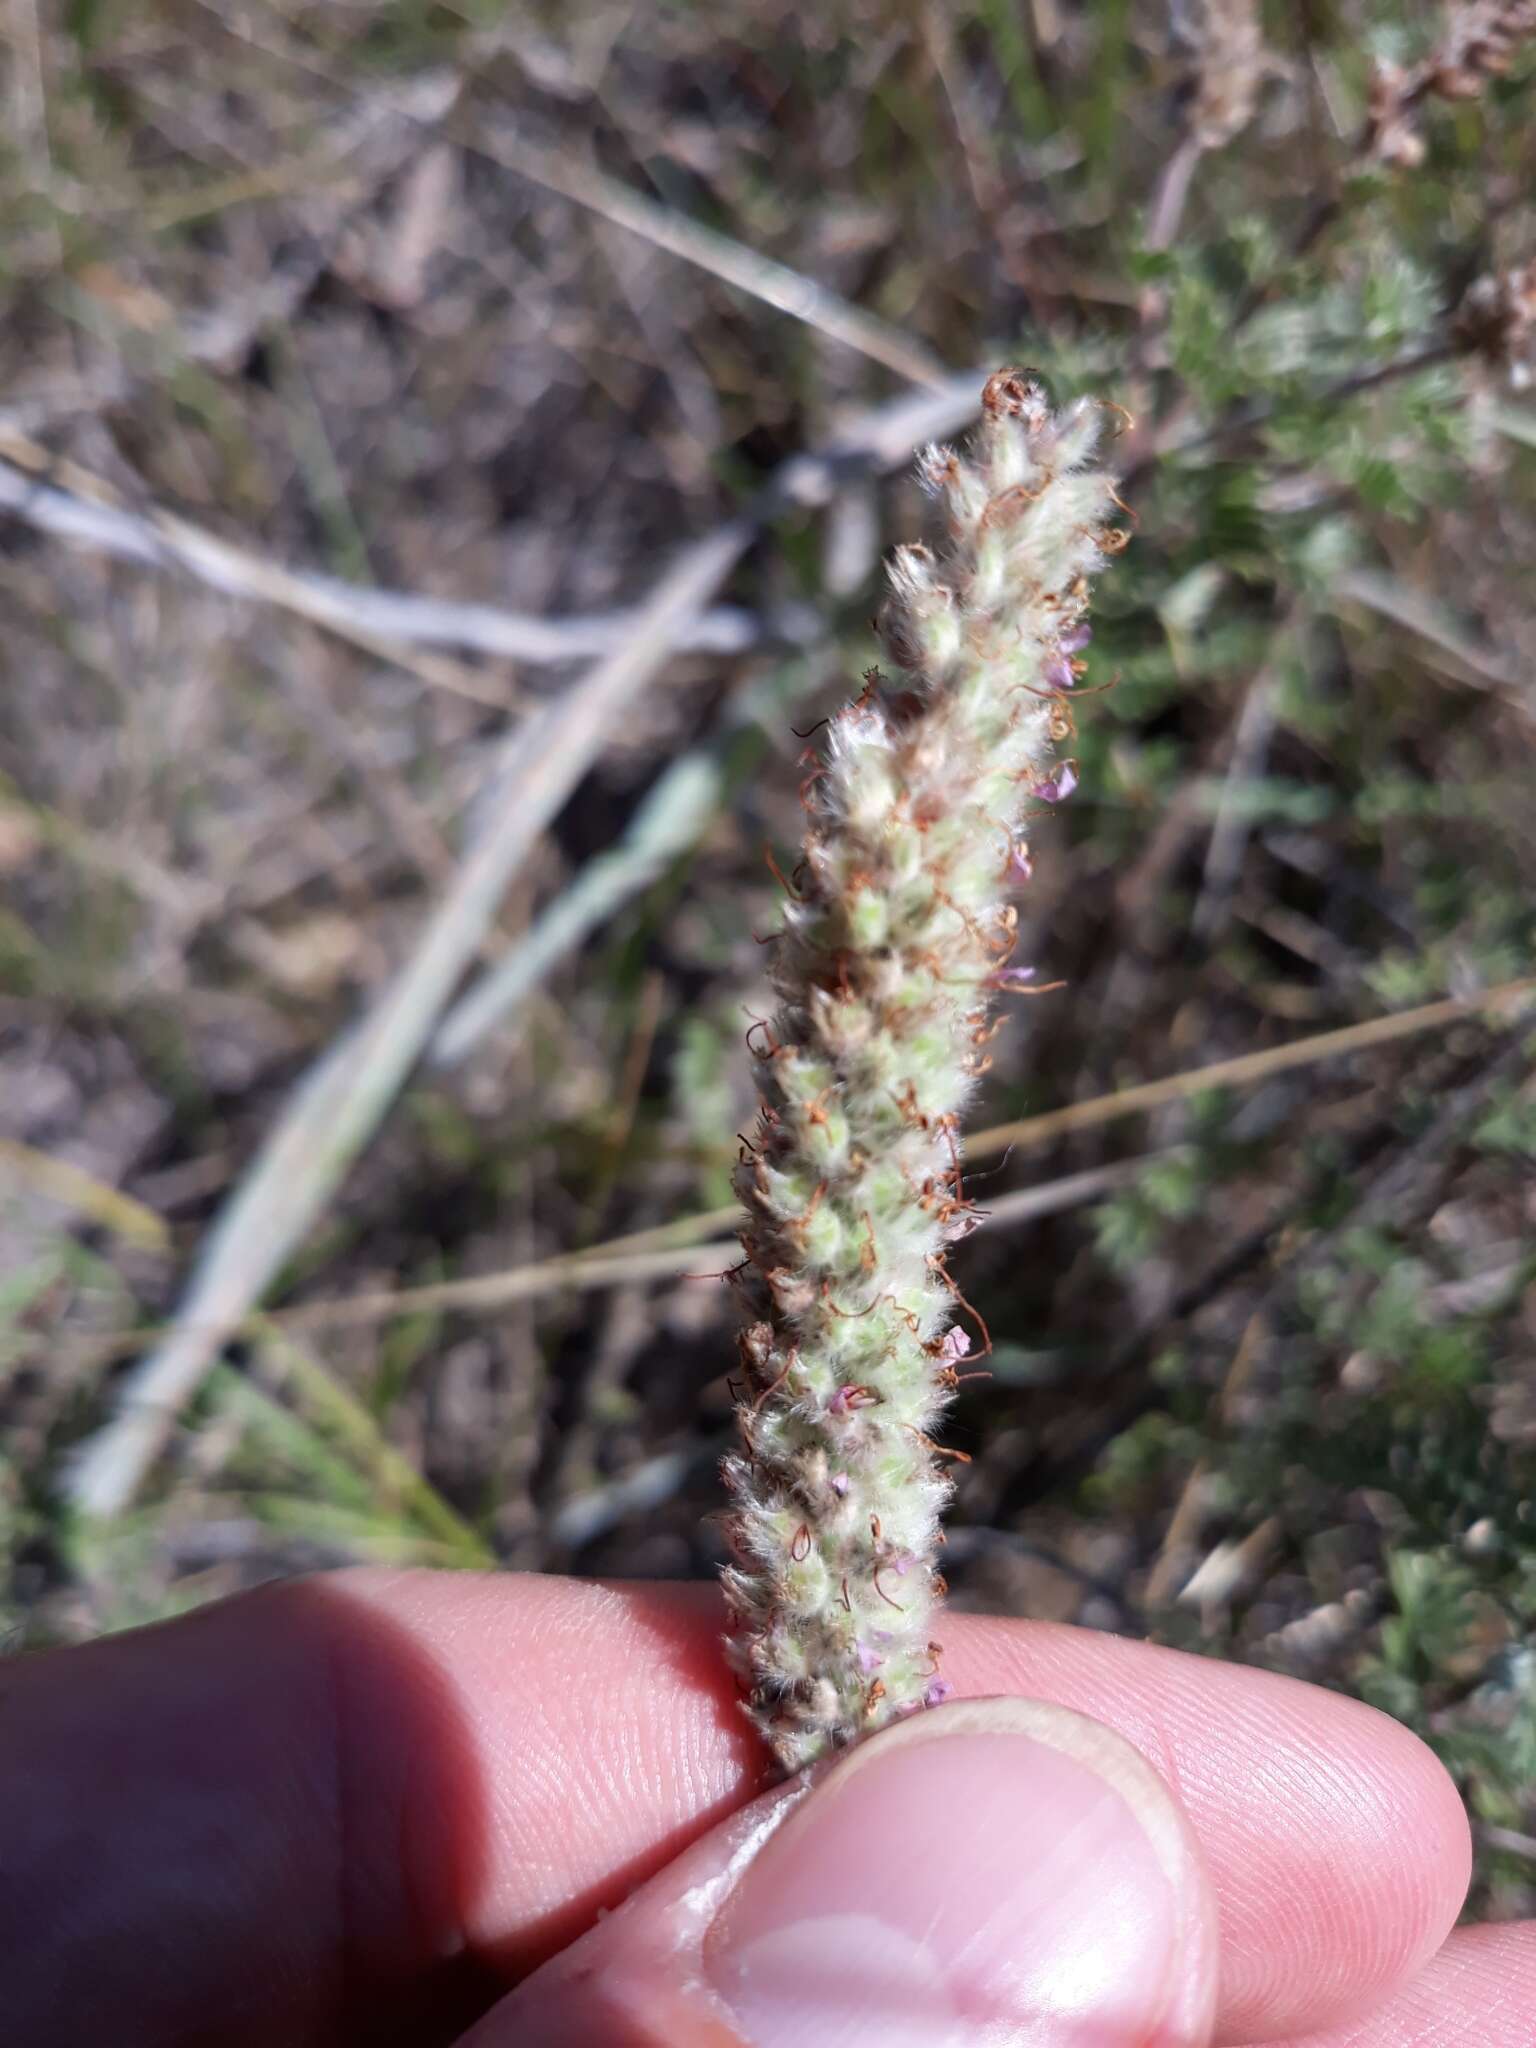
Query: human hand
point(360, 1809)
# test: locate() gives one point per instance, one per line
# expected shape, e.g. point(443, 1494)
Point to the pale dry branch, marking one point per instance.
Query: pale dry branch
point(671, 1250)
point(762, 277)
point(62, 499)
point(668, 1250)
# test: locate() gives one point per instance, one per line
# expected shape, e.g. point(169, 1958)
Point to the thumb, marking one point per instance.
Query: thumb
point(997, 1870)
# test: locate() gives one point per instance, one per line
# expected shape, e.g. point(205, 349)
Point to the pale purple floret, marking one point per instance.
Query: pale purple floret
point(1058, 672)
point(840, 1484)
point(938, 1691)
point(869, 1660)
point(1057, 786)
point(844, 1401)
point(1075, 638)
point(956, 1345)
point(1011, 977)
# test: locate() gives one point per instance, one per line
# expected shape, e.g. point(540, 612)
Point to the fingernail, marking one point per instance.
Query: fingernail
point(996, 1871)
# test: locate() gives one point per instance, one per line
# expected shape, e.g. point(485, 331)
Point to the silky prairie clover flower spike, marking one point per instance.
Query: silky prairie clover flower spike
point(895, 944)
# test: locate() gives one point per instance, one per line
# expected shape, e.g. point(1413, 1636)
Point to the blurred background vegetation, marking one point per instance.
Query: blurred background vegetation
point(446, 452)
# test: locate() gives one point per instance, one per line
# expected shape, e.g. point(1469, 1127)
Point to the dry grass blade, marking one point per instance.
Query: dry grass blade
point(673, 1248)
point(340, 1103)
point(670, 1250)
point(358, 1430)
point(1230, 828)
point(1250, 1067)
point(580, 1272)
point(57, 1180)
point(1464, 657)
point(776, 284)
point(671, 819)
point(587, 1515)
point(619, 1263)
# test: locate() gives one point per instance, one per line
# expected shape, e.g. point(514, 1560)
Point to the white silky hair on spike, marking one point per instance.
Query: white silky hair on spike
point(890, 960)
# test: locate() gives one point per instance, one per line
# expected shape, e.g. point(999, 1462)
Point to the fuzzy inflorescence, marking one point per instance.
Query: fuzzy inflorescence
point(898, 931)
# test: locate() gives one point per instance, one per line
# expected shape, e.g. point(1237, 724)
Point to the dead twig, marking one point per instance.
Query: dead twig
point(1248, 1068)
point(1462, 654)
point(621, 1262)
point(66, 501)
point(776, 284)
point(69, 502)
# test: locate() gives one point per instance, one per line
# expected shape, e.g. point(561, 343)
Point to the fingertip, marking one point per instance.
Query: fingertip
point(1479, 1988)
point(1357, 1854)
point(610, 1739)
point(999, 1869)
point(1391, 1863)
point(1338, 1843)
point(606, 1727)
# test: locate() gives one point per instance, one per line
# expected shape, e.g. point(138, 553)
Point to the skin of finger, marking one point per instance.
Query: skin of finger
point(1478, 1992)
point(635, 1979)
point(639, 1978)
point(349, 1785)
point(1337, 1844)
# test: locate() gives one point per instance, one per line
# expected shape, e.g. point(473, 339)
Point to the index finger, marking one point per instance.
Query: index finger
point(332, 1800)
